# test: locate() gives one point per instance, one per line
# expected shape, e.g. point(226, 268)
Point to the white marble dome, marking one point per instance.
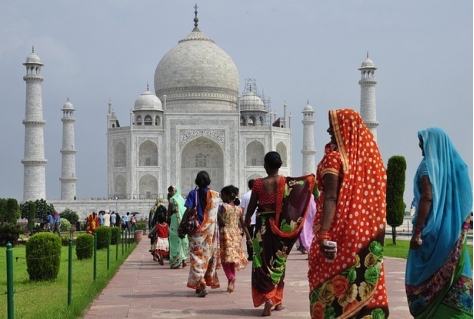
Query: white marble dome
point(33, 58)
point(68, 106)
point(251, 102)
point(148, 101)
point(368, 63)
point(197, 70)
point(308, 108)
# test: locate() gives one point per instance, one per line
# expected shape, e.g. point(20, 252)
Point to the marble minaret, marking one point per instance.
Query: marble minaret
point(308, 151)
point(34, 163)
point(367, 95)
point(68, 151)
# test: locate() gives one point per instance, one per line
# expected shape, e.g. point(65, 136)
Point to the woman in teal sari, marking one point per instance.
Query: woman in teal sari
point(438, 273)
point(178, 247)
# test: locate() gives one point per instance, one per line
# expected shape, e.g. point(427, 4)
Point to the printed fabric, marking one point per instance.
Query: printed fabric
point(204, 247)
point(353, 285)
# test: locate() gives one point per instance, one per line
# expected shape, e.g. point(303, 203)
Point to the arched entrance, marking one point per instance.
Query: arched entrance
point(202, 154)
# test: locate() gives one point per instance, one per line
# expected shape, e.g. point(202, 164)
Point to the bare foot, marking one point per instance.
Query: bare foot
point(279, 307)
point(231, 286)
point(267, 310)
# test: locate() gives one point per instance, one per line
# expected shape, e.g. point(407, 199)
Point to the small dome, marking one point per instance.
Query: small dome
point(148, 101)
point(368, 63)
point(308, 108)
point(68, 106)
point(251, 102)
point(33, 58)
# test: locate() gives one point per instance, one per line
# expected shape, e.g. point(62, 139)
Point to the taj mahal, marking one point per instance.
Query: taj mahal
point(194, 118)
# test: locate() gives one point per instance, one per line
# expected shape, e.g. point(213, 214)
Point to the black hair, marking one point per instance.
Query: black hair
point(202, 181)
point(232, 192)
point(161, 218)
point(273, 160)
point(250, 183)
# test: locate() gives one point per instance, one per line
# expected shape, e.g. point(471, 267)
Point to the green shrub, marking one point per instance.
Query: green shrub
point(116, 232)
point(43, 256)
point(65, 240)
point(70, 215)
point(9, 233)
point(102, 233)
point(84, 246)
point(141, 225)
point(65, 225)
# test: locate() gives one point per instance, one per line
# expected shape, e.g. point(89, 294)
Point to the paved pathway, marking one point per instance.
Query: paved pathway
point(144, 289)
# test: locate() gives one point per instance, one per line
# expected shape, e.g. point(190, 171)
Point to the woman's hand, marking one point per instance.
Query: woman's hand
point(328, 251)
point(415, 241)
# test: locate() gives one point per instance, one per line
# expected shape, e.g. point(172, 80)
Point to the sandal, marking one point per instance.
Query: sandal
point(231, 285)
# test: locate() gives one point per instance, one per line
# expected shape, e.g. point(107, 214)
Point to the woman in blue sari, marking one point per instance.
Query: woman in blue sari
point(438, 273)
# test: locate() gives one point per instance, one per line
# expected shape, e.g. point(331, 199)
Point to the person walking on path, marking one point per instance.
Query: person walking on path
point(231, 222)
point(57, 223)
point(346, 272)
point(283, 203)
point(244, 203)
point(438, 277)
point(204, 242)
point(179, 247)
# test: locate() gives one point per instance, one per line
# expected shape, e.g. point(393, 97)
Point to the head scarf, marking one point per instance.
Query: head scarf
point(363, 186)
point(451, 203)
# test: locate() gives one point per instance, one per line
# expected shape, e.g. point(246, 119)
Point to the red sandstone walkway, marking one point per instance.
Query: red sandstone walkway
point(143, 289)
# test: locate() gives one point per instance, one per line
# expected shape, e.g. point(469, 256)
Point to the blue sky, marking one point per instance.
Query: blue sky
point(297, 51)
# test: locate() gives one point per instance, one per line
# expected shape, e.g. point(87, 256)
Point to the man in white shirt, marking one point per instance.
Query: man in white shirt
point(244, 202)
point(106, 218)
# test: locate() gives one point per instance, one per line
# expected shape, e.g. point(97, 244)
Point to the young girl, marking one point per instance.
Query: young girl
point(231, 222)
point(162, 247)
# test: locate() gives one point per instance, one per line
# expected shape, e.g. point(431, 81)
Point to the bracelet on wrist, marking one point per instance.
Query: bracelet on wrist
point(418, 228)
point(324, 235)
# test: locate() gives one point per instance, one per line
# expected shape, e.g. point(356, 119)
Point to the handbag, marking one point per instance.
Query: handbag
point(189, 225)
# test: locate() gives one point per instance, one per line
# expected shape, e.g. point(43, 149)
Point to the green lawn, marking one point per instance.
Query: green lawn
point(400, 250)
point(50, 299)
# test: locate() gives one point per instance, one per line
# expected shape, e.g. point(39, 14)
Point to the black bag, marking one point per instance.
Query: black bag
point(189, 225)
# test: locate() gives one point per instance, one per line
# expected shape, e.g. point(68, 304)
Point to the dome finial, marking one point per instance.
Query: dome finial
point(147, 86)
point(33, 49)
point(367, 54)
point(196, 20)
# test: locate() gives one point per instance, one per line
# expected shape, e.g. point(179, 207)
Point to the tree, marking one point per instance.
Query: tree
point(395, 188)
point(9, 211)
point(43, 208)
point(70, 215)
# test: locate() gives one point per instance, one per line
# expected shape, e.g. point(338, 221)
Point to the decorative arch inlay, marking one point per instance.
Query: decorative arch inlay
point(217, 136)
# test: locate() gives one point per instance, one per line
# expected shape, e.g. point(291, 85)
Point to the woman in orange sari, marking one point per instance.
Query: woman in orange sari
point(283, 203)
point(346, 279)
point(92, 223)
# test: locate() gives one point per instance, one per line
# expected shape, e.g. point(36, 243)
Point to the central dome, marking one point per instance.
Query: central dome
point(197, 73)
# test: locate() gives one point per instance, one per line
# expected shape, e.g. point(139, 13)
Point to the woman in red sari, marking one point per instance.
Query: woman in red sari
point(283, 203)
point(348, 281)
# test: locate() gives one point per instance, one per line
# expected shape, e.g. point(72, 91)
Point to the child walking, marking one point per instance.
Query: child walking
point(162, 247)
point(231, 222)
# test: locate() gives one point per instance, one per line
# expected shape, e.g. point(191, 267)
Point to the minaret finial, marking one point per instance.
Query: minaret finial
point(147, 86)
point(367, 54)
point(68, 98)
point(32, 49)
point(196, 20)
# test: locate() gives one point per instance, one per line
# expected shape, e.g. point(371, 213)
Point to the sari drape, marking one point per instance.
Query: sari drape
point(276, 232)
point(204, 247)
point(438, 274)
point(354, 283)
point(179, 248)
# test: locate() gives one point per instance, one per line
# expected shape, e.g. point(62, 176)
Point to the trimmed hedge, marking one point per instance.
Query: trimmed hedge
point(84, 246)
point(9, 233)
point(102, 233)
point(115, 233)
point(43, 256)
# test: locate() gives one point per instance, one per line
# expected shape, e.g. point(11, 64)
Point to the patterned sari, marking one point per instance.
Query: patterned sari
point(280, 218)
point(179, 248)
point(438, 274)
point(353, 284)
point(204, 245)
